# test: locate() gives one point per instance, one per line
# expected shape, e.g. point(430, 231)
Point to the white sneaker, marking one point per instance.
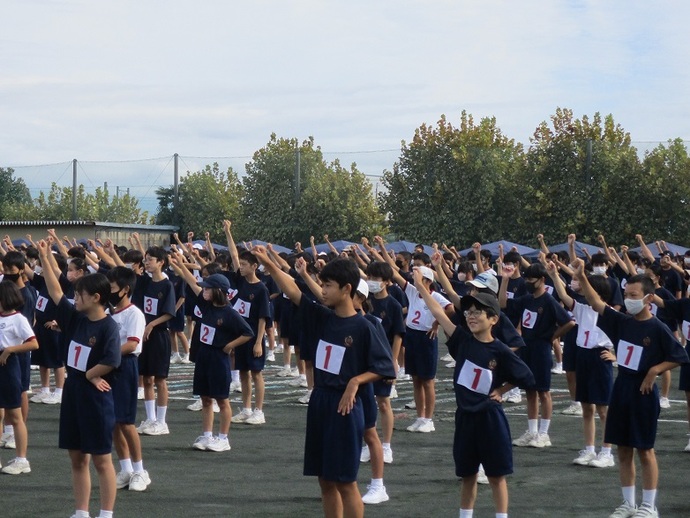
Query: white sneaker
point(52, 399)
point(387, 455)
point(235, 386)
point(242, 416)
point(663, 403)
point(17, 467)
point(292, 349)
point(175, 358)
point(584, 458)
point(481, 476)
point(270, 356)
point(687, 448)
point(216, 408)
point(145, 424)
point(542, 440)
point(217, 444)
point(402, 376)
point(140, 393)
point(257, 417)
point(39, 397)
point(524, 439)
point(557, 370)
point(575, 408)
point(603, 460)
point(625, 510)
point(7, 441)
point(365, 456)
point(122, 479)
point(512, 396)
point(196, 406)
point(157, 428)
point(451, 365)
point(300, 381)
point(201, 442)
point(285, 372)
point(415, 426)
point(305, 398)
point(446, 358)
point(426, 427)
point(394, 393)
point(375, 495)
point(184, 359)
point(140, 481)
point(411, 405)
point(646, 511)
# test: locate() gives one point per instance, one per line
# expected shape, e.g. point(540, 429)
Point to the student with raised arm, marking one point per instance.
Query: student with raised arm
point(644, 348)
point(485, 369)
point(87, 415)
point(593, 368)
point(346, 351)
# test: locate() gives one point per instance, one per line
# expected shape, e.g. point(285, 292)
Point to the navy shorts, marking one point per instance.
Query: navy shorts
point(684, 382)
point(176, 323)
point(537, 356)
point(369, 406)
point(382, 388)
point(333, 442)
point(11, 383)
point(154, 359)
point(632, 416)
point(87, 417)
point(125, 390)
point(49, 351)
point(482, 438)
point(594, 377)
point(24, 369)
point(245, 359)
point(421, 354)
point(211, 372)
point(570, 351)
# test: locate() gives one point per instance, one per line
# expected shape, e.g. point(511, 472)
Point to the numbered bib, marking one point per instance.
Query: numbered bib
point(232, 293)
point(629, 355)
point(150, 306)
point(548, 289)
point(78, 356)
point(510, 295)
point(242, 307)
point(587, 338)
point(685, 326)
point(475, 378)
point(41, 303)
point(653, 308)
point(329, 357)
point(529, 319)
point(197, 312)
point(207, 334)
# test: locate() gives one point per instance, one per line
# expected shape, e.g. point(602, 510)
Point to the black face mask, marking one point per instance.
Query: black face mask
point(399, 264)
point(116, 297)
point(531, 287)
point(12, 277)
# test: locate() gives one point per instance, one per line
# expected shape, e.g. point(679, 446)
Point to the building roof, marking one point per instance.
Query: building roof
point(78, 223)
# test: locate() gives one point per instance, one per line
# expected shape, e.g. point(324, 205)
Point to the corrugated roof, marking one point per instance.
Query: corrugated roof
point(77, 223)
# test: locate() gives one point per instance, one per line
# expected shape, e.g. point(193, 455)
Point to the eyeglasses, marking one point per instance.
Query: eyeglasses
point(472, 313)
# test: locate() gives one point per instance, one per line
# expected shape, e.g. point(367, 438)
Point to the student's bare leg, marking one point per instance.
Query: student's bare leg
point(25, 405)
point(650, 468)
point(149, 393)
point(626, 466)
point(44, 373)
point(532, 404)
point(59, 374)
point(557, 351)
point(309, 371)
point(353, 507)
point(190, 327)
point(499, 490)
point(665, 384)
point(13, 417)
point(207, 413)
point(300, 364)
point(546, 404)
point(468, 491)
point(259, 389)
point(106, 480)
point(183, 340)
point(287, 355)
point(401, 357)
point(429, 397)
point(81, 479)
point(387, 418)
point(330, 499)
point(120, 442)
point(225, 415)
point(371, 438)
point(246, 389)
point(588, 425)
point(132, 442)
point(603, 411)
point(173, 342)
point(270, 335)
point(570, 378)
point(418, 392)
point(162, 389)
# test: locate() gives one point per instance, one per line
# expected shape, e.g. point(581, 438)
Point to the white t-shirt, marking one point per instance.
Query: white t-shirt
point(589, 335)
point(14, 330)
point(131, 324)
point(418, 315)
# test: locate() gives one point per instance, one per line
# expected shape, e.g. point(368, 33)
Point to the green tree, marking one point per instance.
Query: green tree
point(448, 185)
point(15, 198)
point(206, 198)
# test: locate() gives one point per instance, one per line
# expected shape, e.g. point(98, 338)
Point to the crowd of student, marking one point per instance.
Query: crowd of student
point(108, 321)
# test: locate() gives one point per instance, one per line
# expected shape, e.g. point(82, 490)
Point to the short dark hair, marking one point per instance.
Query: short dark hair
point(14, 258)
point(11, 298)
point(77, 252)
point(512, 257)
point(123, 277)
point(219, 297)
point(246, 255)
point(601, 285)
point(133, 256)
point(599, 258)
point(647, 284)
point(211, 268)
point(407, 256)
point(79, 264)
point(535, 271)
point(94, 284)
point(31, 252)
point(380, 270)
point(421, 256)
point(159, 253)
point(341, 271)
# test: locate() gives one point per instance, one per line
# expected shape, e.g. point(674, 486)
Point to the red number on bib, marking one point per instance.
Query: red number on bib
point(586, 338)
point(204, 337)
point(77, 351)
point(528, 319)
point(627, 358)
point(40, 303)
point(328, 357)
point(242, 309)
point(477, 376)
point(149, 305)
point(417, 316)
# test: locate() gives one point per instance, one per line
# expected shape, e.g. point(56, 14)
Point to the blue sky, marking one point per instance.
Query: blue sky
point(111, 81)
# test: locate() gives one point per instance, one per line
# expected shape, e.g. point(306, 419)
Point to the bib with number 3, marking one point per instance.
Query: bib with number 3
point(243, 307)
point(629, 355)
point(207, 334)
point(475, 378)
point(529, 319)
point(329, 357)
point(150, 306)
point(78, 356)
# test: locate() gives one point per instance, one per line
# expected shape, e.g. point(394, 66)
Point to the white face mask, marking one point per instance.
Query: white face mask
point(375, 286)
point(462, 277)
point(686, 261)
point(640, 271)
point(599, 270)
point(129, 265)
point(634, 306)
point(38, 270)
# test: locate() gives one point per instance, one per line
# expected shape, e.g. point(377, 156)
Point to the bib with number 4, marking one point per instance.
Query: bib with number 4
point(329, 357)
point(475, 378)
point(78, 356)
point(529, 319)
point(629, 355)
point(207, 334)
point(41, 303)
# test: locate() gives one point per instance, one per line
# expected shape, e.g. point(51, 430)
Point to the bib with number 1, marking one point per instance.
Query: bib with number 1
point(78, 356)
point(475, 378)
point(329, 357)
point(629, 355)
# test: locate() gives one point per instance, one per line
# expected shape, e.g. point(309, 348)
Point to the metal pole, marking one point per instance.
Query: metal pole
point(176, 191)
point(74, 189)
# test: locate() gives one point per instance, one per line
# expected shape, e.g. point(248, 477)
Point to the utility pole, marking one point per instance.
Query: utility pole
point(74, 189)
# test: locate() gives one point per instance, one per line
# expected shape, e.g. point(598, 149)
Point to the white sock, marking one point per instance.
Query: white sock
point(235, 375)
point(208, 435)
point(20, 459)
point(649, 496)
point(286, 366)
point(606, 450)
point(45, 390)
point(58, 391)
point(376, 482)
point(501, 515)
point(532, 425)
point(544, 425)
point(138, 466)
point(258, 411)
point(629, 494)
point(386, 446)
point(559, 365)
point(81, 514)
point(222, 436)
point(105, 514)
point(247, 410)
point(150, 406)
point(590, 449)
point(160, 413)
point(9, 429)
point(466, 513)
point(126, 465)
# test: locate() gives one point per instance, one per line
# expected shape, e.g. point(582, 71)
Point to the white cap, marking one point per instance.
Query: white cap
point(427, 272)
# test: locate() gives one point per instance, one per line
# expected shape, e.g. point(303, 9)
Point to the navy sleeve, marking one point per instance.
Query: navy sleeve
point(65, 315)
point(379, 359)
point(515, 371)
point(505, 332)
point(112, 353)
point(610, 322)
point(455, 340)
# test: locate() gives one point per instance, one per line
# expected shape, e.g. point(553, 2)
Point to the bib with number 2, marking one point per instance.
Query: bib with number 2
point(529, 319)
